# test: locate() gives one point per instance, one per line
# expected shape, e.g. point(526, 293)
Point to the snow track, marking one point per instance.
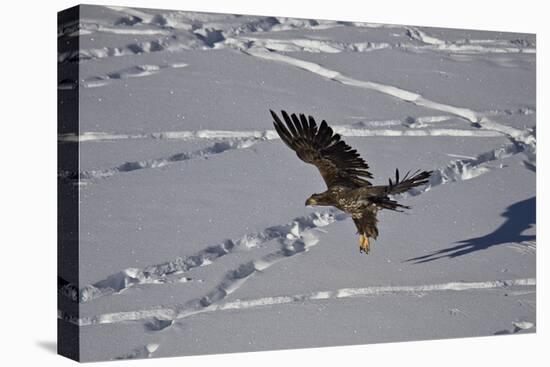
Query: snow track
point(469, 46)
point(163, 273)
point(292, 233)
point(344, 130)
point(172, 314)
point(234, 140)
point(124, 45)
point(137, 71)
point(468, 168)
point(473, 117)
point(216, 148)
point(204, 31)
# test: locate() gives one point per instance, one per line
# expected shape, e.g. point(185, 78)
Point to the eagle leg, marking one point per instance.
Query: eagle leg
point(364, 244)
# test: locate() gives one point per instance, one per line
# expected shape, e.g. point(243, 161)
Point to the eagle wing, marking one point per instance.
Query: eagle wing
point(337, 162)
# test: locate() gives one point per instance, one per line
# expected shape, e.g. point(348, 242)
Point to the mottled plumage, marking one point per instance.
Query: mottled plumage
point(345, 173)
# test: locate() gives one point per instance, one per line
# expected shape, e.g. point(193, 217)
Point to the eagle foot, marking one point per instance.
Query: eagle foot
point(364, 244)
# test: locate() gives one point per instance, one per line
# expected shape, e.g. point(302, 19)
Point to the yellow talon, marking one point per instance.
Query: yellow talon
point(364, 244)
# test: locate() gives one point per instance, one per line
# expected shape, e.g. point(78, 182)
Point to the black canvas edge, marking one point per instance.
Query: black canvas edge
point(68, 333)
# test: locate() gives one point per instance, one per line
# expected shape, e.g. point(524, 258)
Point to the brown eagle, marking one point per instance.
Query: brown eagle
point(344, 172)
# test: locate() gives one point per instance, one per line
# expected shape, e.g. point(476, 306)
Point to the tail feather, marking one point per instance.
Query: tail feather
point(386, 203)
point(417, 178)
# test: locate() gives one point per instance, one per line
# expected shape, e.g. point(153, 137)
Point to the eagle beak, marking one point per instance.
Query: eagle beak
point(311, 201)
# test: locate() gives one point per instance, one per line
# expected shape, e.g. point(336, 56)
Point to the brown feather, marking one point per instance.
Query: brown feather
point(337, 162)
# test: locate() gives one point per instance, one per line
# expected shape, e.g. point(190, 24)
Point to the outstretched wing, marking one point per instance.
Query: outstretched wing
point(320, 146)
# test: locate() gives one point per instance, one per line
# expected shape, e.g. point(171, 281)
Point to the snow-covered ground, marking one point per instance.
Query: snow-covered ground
point(194, 234)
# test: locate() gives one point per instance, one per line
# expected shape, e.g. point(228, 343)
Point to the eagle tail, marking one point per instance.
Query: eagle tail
point(417, 178)
point(387, 203)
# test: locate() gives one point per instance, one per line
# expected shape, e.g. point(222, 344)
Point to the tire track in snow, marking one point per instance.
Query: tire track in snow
point(169, 315)
point(358, 132)
point(415, 127)
point(345, 130)
point(172, 135)
point(378, 291)
point(475, 118)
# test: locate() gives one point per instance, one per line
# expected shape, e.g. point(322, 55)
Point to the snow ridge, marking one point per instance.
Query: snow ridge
point(171, 271)
point(171, 314)
point(136, 71)
point(456, 170)
point(185, 31)
point(476, 119)
point(304, 238)
point(216, 148)
point(468, 46)
point(175, 32)
point(298, 240)
point(233, 140)
point(468, 168)
point(345, 130)
point(181, 31)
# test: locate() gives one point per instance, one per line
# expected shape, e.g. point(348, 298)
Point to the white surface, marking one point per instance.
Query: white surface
point(183, 247)
point(34, 309)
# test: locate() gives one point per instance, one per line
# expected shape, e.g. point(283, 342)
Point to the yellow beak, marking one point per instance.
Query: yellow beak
point(311, 201)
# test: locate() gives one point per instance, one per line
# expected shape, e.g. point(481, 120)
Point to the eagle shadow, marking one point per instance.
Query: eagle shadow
point(519, 217)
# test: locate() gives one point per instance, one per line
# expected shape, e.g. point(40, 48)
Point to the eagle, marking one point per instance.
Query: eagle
point(345, 173)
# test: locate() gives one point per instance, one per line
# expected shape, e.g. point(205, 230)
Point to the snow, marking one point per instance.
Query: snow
point(194, 234)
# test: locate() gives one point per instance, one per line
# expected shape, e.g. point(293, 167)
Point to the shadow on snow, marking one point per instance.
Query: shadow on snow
point(519, 217)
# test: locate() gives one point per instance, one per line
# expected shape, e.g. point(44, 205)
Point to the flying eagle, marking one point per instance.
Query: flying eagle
point(345, 173)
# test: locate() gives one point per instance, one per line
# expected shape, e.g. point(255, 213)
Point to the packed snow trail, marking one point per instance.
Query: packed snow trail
point(474, 117)
point(171, 314)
